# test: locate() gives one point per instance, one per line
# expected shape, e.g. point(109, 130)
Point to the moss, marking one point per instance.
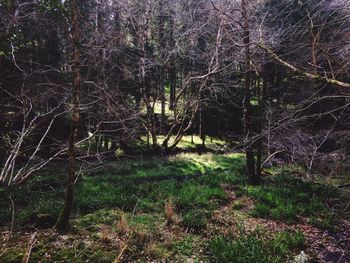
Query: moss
point(102, 216)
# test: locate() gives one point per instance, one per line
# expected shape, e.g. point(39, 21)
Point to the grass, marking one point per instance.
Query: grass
point(128, 186)
point(126, 204)
point(195, 219)
point(253, 248)
point(287, 199)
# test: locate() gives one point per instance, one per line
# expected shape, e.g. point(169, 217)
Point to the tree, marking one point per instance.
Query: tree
point(30, 107)
point(250, 158)
point(303, 40)
point(63, 220)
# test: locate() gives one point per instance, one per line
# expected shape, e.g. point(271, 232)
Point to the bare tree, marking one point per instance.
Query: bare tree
point(63, 220)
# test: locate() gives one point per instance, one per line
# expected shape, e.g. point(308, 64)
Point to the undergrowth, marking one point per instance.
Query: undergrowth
point(166, 206)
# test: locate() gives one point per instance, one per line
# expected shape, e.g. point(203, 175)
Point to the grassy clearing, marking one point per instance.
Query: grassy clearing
point(190, 142)
point(168, 209)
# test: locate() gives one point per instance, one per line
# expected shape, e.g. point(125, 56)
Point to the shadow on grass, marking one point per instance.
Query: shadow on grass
point(191, 180)
point(287, 199)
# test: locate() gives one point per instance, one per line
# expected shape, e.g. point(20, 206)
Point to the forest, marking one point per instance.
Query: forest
point(175, 131)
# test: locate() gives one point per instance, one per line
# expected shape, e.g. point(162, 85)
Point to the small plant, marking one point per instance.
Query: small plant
point(238, 205)
point(122, 225)
point(287, 240)
point(261, 210)
point(328, 222)
point(185, 246)
point(169, 211)
point(285, 212)
point(105, 235)
point(195, 219)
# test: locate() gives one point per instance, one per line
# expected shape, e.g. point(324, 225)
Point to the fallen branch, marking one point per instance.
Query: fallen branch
point(31, 243)
point(302, 72)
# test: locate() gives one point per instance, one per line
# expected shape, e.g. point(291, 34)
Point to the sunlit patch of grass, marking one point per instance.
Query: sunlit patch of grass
point(123, 189)
point(146, 222)
point(192, 196)
point(190, 142)
point(191, 179)
point(103, 216)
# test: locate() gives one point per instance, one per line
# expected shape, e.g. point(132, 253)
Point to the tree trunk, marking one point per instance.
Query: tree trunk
point(259, 146)
point(201, 130)
point(172, 73)
point(162, 97)
point(162, 73)
point(63, 220)
point(247, 118)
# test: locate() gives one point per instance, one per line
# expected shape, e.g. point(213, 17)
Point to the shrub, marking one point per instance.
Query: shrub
point(122, 225)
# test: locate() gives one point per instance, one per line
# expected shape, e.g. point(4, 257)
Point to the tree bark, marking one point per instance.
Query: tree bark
point(63, 220)
point(259, 146)
point(247, 118)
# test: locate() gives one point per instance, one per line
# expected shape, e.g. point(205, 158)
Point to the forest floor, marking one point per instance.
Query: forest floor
point(181, 208)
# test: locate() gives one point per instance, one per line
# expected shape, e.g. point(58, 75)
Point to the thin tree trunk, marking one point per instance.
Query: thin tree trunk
point(162, 80)
point(250, 162)
point(172, 73)
point(259, 147)
point(172, 86)
point(162, 97)
point(201, 130)
point(63, 220)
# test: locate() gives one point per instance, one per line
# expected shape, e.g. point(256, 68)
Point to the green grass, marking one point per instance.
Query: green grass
point(285, 198)
point(139, 189)
point(125, 186)
point(192, 181)
point(252, 248)
point(195, 219)
point(186, 246)
point(186, 142)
